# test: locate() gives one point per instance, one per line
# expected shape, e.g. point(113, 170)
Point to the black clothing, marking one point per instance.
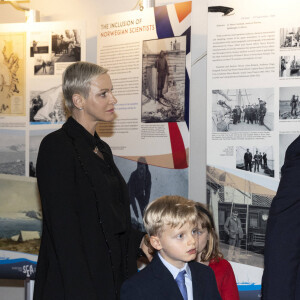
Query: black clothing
point(265, 160)
point(235, 115)
point(139, 187)
point(251, 115)
point(88, 247)
point(294, 105)
point(162, 71)
point(262, 113)
point(281, 278)
point(256, 162)
point(248, 161)
point(155, 282)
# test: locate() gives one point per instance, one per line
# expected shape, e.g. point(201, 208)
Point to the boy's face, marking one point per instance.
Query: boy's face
point(177, 245)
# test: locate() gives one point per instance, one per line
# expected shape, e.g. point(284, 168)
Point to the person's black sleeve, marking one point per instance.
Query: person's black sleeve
point(281, 278)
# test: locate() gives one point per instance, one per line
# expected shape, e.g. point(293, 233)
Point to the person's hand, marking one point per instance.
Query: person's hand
point(147, 248)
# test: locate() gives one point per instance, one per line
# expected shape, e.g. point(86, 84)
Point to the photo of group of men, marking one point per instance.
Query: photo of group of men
point(253, 114)
point(257, 160)
point(243, 110)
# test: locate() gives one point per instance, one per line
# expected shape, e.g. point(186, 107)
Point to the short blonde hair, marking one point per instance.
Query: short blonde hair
point(77, 79)
point(169, 210)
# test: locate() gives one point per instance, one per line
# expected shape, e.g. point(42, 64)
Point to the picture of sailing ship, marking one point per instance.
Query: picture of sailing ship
point(243, 110)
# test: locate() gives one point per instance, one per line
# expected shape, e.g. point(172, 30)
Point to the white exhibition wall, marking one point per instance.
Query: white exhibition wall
point(89, 11)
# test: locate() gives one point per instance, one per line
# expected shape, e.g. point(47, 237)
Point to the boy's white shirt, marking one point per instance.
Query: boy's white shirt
point(174, 271)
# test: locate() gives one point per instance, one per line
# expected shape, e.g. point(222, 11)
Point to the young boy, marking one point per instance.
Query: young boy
point(171, 223)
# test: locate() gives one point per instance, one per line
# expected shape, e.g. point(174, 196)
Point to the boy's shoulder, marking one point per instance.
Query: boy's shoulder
point(154, 270)
point(146, 278)
point(144, 283)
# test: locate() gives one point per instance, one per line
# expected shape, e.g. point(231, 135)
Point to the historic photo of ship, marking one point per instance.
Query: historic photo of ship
point(243, 110)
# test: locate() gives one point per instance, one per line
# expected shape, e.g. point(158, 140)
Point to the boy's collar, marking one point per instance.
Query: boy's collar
point(173, 270)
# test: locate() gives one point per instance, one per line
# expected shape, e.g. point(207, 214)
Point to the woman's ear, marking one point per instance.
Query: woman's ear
point(155, 242)
point(78, 101)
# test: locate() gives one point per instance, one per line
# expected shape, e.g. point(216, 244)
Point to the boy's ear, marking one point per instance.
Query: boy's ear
point(155, 242)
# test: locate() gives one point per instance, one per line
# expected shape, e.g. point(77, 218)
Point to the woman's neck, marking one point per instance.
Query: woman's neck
point(88, 125)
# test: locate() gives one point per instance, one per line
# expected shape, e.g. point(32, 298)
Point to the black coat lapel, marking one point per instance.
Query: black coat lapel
point(165, 281)
point(197, 280)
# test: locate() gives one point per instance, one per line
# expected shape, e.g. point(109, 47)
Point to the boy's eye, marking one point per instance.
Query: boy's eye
point(179, 236)
point(195, 231)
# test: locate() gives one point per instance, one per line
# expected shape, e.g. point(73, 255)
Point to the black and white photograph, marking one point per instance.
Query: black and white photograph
point(256, 159)
point(289, 103)
point(39, 43)
point(47, 106)
point(241, 210)
point(146, 183)
point(20, 215)
point(66, 45)
point(35, 138)
point(163, 80)
point(12, 152)
point(290, 37)
point(43, 64)
point(285, 139)
point(289, 66)
point(243, 110)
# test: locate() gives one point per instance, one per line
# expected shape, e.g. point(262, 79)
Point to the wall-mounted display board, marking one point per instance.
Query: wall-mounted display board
point(32, 59)
point(253, 115)
point(148, 57)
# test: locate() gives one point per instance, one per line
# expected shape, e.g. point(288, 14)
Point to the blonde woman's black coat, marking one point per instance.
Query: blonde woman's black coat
point(77, 246)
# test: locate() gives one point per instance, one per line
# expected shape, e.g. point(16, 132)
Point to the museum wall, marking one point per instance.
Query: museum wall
point(90, 11)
